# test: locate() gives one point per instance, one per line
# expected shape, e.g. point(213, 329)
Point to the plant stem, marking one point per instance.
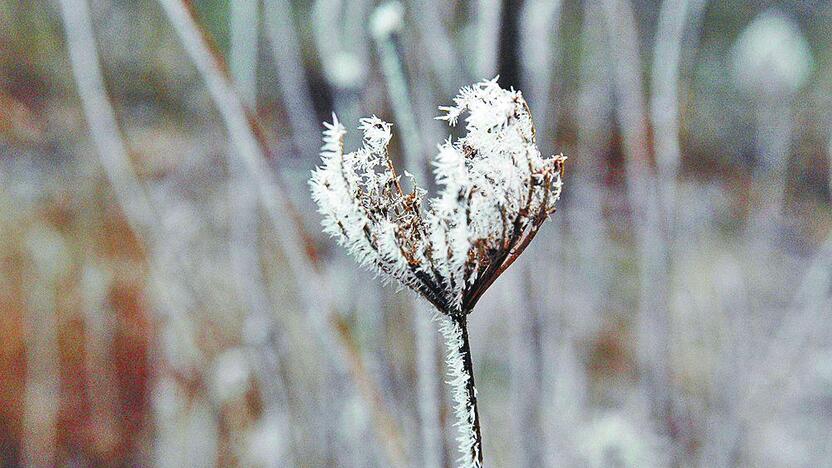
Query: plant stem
point(461, 370)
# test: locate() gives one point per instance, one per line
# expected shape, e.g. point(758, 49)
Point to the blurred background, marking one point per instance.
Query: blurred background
point(166, 297)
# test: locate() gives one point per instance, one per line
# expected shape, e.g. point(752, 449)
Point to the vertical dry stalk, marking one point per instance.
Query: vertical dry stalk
point(594, 113)
point(259, 328)
point(437, 44)
point(294, 87)
point(526, 359)
point(489, 16)
point(245, 138)
point(41, 398)
point(387, 22)
point(112, 152)
point(664, 99)
point(428, 381)
point(540, 53)
point(653, 327)
point(244, 26)
point(461, 372)
point(99, 330)
point(774, 121)
point(674, 17)
point(341, 39)
point(101, 118)
point(539, 61)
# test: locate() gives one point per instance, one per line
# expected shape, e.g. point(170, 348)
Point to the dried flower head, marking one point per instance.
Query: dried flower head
point(495, 192)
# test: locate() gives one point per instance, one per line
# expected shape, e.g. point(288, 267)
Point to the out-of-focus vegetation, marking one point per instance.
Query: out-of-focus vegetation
point(676, 312)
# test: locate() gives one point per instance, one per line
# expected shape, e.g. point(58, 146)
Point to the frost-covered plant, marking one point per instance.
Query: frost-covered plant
point(496, 190)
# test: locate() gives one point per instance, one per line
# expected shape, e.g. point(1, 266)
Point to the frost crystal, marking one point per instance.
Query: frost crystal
point(495, 192)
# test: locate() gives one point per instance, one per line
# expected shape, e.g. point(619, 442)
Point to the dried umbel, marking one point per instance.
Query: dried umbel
point(495, 191)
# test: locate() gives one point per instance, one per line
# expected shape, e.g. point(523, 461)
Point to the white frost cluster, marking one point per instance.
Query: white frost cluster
point(495, 191)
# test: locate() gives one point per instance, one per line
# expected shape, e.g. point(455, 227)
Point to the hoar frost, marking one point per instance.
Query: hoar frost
point(495, 191)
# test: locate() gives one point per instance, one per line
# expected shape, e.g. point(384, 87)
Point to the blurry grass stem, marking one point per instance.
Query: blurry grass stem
point(386, 24)
point(259, 327)
point(674, 16)
point(539, 61)
point(771, 61)
point(293, 83)
point(244, 26)
point(247, 141)
point(42, 388)
point(102, 121)
point(341, 39)
point(112, 151)
point(437, 45)
point(540, 52)
point(773, 124)
point(130, 195)
point(487, 22)
point(99, 333)
point(653, 327)
point(594, 112)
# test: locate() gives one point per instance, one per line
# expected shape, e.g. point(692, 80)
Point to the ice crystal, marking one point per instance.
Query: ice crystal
point(495, 191)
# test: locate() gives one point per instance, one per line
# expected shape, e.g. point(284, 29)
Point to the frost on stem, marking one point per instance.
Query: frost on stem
point(464, 393)
point(496, 191)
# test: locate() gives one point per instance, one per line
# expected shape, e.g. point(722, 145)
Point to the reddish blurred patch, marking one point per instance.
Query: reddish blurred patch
point(83, 434)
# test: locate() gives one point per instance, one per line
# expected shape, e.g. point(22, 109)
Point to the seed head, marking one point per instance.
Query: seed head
point(495, 191)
